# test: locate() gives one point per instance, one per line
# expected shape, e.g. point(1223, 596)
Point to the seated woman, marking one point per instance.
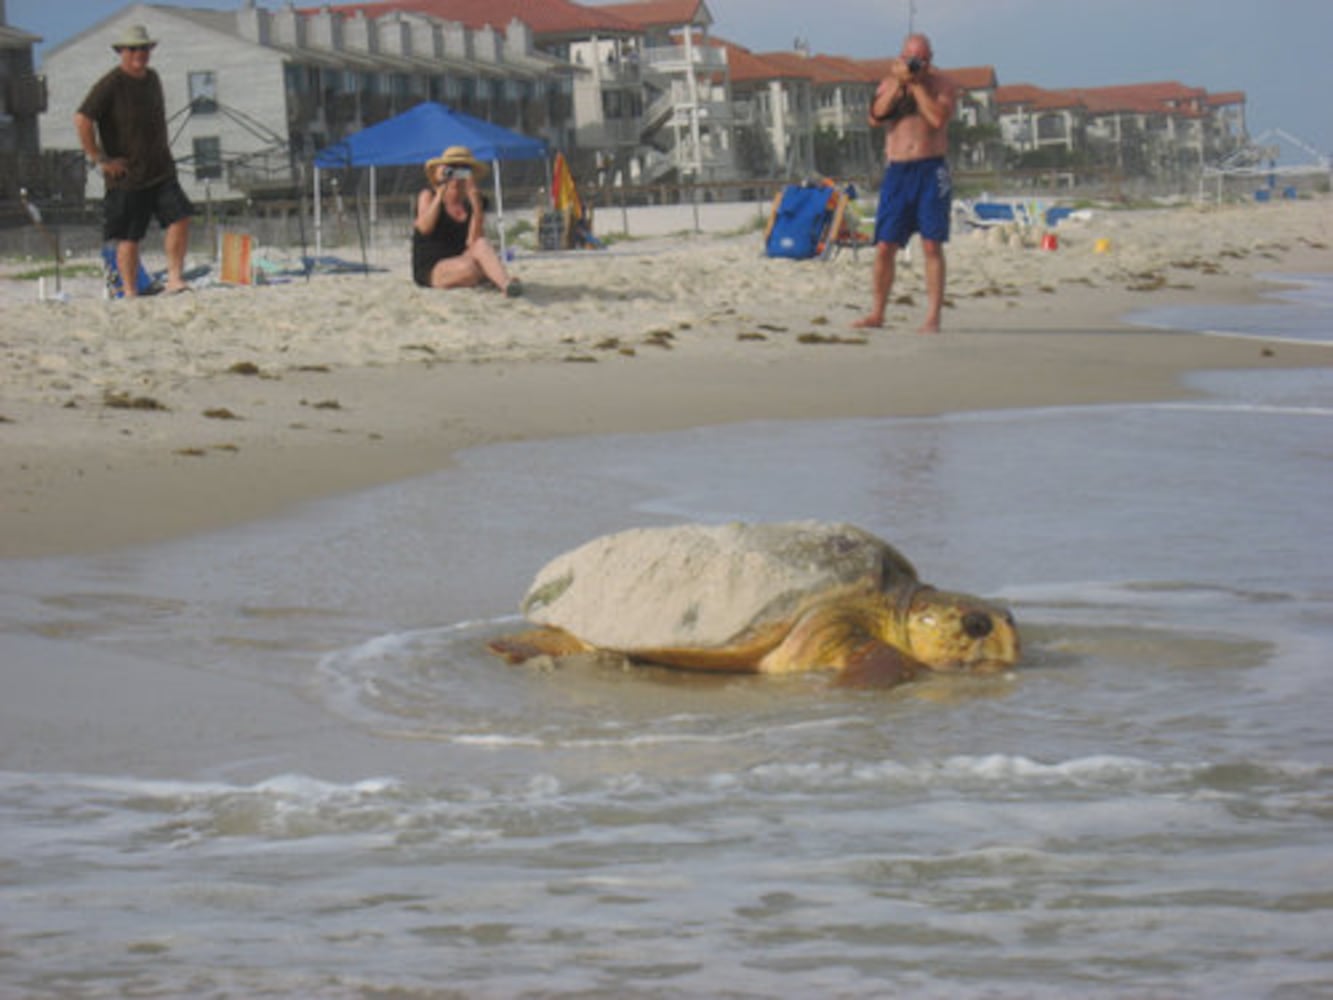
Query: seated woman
point(448, 248)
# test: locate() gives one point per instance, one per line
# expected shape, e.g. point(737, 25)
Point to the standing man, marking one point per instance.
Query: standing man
point(122, 126)
point(914, 104)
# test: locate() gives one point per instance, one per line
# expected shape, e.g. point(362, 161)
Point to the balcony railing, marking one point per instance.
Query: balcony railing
point(616, 132)
point(666, 58)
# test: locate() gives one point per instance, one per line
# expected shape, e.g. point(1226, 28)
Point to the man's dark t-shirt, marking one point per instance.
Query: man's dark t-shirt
point(132, 123)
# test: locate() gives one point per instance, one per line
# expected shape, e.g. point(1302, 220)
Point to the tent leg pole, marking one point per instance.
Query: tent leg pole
point(499, 207)
point(319, 223)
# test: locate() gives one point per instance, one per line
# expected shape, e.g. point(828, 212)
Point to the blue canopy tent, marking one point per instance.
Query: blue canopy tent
point(420, 134)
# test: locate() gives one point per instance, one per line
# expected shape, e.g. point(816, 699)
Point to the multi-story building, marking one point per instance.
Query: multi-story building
point(22, 92)
point(780, 140)
point(1032, 119)
point(22, 100)
point(595, 95)
point(632, 92)
point(1152, 129)
point(686, 116)
point(251, 94)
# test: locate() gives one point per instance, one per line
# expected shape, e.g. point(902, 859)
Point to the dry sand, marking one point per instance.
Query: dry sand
point(128, 422)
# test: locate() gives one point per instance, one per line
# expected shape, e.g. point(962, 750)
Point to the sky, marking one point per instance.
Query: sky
point(1276, 51)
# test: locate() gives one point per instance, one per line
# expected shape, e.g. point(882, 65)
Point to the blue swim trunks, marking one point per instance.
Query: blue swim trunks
point(915, 196)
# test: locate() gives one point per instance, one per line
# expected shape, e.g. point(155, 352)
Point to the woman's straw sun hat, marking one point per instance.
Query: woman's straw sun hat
point(456, 156)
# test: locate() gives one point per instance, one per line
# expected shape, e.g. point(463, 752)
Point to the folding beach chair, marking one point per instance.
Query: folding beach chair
point(845, 229)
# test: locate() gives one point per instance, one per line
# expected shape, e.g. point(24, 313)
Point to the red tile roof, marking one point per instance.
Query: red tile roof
point(973, 77)
point(834, 69)
point(660, 13)
point(566, 17)
point(745, 66)
point(544, 17)
point(877, 68)
point(966, 77)
point(791, 65)
point(1133, 98)
point(1035, 97)
point(1143, 98)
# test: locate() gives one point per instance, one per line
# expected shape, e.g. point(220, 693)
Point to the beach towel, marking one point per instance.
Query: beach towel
point(800, 221)
point(237, 267)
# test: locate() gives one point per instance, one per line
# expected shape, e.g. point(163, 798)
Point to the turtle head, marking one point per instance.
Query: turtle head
point(958, 632)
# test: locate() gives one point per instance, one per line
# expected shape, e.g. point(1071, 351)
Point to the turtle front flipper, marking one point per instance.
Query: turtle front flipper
point(847, 635)
point(879, 665)
point(547, 641)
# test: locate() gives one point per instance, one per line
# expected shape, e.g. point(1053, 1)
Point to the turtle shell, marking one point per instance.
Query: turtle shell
point(707, 587)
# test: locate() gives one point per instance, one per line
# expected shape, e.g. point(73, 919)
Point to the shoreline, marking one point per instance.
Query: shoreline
point(702, 332)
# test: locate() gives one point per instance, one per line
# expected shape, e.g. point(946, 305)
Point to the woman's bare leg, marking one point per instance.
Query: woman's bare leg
point(489, 261)
point(455, 272)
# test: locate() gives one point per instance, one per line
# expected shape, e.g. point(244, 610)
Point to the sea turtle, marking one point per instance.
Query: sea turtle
point(763, 598)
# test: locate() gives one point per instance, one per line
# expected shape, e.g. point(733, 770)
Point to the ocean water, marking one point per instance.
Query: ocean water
point(276, 761)
point(1298, 311)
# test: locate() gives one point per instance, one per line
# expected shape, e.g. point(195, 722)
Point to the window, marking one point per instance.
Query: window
point(203, 92)
point(207, 158)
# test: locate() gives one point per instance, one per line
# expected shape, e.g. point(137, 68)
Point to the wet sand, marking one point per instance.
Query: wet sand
point(130, 422)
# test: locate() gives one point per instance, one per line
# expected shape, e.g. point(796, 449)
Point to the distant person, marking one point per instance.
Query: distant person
point(449, 249)
point(914, 104)
point(122, 126)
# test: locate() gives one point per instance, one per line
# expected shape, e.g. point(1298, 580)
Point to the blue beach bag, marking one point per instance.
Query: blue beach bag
point(800, 222)
point(144, 283)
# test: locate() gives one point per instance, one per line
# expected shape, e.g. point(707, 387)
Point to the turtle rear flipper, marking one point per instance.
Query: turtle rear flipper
point(523, 646)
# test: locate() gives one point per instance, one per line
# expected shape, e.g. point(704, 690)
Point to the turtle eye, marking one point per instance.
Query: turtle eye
point(977, 624)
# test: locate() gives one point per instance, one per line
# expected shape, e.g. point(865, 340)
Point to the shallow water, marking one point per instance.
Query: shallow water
point(1297, 311)
point(293, 772)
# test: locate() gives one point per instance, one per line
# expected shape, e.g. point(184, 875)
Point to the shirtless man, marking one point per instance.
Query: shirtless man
point(914, 103)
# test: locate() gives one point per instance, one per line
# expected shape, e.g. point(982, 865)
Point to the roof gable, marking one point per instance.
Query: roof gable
point(661, 13)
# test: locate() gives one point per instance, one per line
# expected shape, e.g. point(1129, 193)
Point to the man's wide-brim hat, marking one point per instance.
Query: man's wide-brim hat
point(456, 156)
point(135, 36)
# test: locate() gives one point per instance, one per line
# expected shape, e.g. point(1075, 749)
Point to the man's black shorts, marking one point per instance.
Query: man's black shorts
point(126, 214)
